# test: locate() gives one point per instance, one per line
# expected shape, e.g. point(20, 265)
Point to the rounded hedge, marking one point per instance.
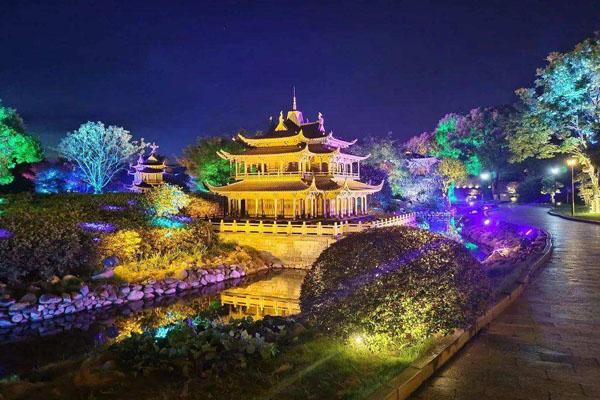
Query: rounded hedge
point(401, 284)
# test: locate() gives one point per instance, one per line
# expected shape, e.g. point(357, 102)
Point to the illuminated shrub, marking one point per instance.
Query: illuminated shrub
point(40, 248)
point(199, 207)
point(124, 244)
point(401, 284)
point(166, 199)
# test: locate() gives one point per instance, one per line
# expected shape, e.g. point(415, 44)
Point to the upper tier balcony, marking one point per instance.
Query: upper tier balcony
point(304, 174)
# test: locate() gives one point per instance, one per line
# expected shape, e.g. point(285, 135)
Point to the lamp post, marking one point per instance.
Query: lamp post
point(571, 163)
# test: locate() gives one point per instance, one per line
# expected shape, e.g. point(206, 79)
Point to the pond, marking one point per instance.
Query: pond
point(27, 347)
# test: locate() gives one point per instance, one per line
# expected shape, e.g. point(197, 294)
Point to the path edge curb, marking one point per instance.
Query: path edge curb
point(411, 378)
point(587, 221)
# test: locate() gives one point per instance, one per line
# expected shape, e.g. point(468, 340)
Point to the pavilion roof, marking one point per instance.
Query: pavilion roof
point(320, 184)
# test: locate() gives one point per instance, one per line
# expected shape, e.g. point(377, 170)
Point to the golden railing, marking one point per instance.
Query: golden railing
point(315, 229)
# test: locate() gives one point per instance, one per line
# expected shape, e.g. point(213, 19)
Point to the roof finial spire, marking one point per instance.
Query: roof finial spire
point(294, 98)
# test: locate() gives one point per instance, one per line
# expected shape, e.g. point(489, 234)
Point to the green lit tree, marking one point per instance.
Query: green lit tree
point(452, 171)
point(561, 114)
point(16, 145)
point(99, 151)
point(203, 163)
point(386, 155)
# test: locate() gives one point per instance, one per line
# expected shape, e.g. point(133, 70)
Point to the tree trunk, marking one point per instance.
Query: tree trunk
point(589, 169)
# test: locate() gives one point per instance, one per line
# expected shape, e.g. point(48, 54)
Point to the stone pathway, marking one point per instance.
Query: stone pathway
point(547, 344)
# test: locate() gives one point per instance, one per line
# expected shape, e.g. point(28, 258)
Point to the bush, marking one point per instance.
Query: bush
point(166, 199)
point(40, 248)
point(399, 284)
point(199, 207)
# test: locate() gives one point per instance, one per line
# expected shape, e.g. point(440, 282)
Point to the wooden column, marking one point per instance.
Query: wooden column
point(294, 208)
point(256, 207)
point(276, 205)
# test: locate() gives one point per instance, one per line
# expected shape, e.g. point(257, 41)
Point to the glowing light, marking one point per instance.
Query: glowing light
point(167, 223)
point(110, 207)
point(487, 221)
point(554, 170)
point(528, 232)
point(97, 227)
point(357, 340)
point(485, 176)
point(471, 203)
point(571, 162)
point(5, 234)
point(163, 331)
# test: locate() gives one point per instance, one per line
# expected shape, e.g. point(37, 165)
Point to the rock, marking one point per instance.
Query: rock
point(183, 286)
point(170, 291)
point(55, 280)
point(135, 295)
point(29, 298)
point(210, 278)
point(220, 277)
point(49, 299)
point(85, 290)
point(109, 273)
point(234, 274)
point(181, 275)
point(4, 323)
point(6, 302)
point(66, 298)
point(17, 318)
point(136, 287)
point(70, 310)
point(148, 296)
point(17, 307)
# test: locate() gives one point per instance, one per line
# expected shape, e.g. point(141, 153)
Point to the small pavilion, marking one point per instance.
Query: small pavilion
point(295, 170)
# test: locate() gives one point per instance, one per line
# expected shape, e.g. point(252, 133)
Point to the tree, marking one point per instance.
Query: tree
point(16, 146)
point(203, 163)
point(561, 114)
point(551, 186)
point(386, 155)
point(452, 171)
point(99, 151)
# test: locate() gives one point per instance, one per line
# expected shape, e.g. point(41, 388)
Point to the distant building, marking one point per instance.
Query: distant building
point(296, 170)
point(152, 171)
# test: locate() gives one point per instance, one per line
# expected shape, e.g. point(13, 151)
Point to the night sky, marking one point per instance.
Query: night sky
point(172, 71)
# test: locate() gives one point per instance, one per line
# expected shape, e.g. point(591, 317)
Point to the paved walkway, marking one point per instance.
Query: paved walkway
point(547, 344)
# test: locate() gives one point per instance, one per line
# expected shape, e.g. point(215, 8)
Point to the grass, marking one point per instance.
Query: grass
point(316, 367)
point(580, 212)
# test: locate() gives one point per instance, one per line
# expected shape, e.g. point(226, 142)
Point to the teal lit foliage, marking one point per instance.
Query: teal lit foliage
point(58, 177)
point(471, 246)
point(386, 161)
point(402, 283)
point(16, 145)
point(100, 152)
point(203, 163)
point(201, 345)
point(164, 222)
point(560, 114)
point(451, 194)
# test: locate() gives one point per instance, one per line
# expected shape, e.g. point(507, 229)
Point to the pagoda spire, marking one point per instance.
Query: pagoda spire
point(294, 98)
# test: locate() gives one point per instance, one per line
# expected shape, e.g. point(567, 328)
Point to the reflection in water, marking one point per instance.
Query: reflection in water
point(274, 293)
point(276, 296)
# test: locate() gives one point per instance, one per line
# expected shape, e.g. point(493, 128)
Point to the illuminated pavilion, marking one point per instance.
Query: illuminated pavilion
point(295, 170)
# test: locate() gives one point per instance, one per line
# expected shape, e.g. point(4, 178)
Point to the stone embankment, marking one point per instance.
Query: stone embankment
point(31, 308)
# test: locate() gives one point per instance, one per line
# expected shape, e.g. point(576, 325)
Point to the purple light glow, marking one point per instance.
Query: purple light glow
point(97, 227)
point(5, 234)
point(487, 221)
point(181, 218)
point(110, 207)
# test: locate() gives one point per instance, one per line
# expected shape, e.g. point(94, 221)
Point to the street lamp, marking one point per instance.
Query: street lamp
point(571, 162)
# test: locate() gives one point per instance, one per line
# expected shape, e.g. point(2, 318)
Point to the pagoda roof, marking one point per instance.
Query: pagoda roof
point(310, 148)
point(319, 184)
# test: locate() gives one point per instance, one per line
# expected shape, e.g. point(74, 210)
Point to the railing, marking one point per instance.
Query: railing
point(318, 229)
point(305, 174)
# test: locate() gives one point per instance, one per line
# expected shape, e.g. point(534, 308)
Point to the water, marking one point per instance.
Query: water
point(26, 347)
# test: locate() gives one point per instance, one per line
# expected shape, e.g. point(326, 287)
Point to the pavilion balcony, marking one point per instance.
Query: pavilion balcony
point(304, 174)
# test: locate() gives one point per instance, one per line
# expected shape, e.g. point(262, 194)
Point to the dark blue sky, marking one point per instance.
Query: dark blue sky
point(174, 70)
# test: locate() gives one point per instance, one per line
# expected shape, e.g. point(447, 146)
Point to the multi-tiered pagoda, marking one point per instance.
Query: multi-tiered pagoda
point(295, 170)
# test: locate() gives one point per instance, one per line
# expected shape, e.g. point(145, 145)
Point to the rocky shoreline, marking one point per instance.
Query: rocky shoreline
point(31, 308)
